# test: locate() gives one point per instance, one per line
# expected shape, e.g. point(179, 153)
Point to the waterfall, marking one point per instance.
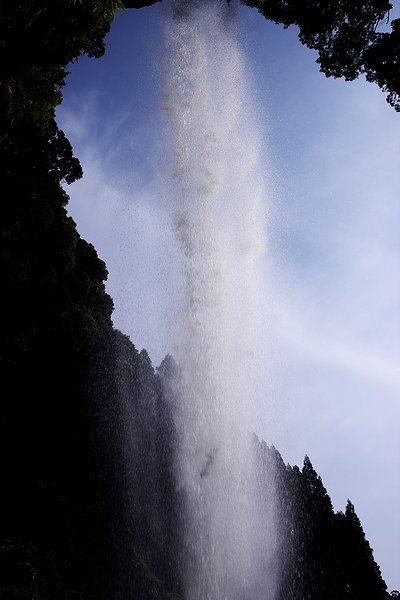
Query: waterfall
point(219, 205)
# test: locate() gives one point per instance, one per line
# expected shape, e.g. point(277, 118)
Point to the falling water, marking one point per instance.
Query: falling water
point(219, 209)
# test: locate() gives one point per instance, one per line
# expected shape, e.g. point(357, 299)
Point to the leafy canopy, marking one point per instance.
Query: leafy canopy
point(347, 35)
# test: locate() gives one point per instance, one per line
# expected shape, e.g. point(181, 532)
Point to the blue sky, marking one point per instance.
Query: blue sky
point(331, 152)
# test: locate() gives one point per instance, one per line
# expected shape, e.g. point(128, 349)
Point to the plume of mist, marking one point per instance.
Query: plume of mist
point(218, 200)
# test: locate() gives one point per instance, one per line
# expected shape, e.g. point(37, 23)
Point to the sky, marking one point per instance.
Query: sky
point(331, 152)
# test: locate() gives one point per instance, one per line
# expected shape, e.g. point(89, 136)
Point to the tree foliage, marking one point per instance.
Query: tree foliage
point(323, 555)
point(347, 36)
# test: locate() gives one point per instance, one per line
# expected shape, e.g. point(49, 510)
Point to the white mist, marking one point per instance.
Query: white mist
point(219, 205)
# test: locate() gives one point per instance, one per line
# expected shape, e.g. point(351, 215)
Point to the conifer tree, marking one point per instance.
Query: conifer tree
point(363, 576)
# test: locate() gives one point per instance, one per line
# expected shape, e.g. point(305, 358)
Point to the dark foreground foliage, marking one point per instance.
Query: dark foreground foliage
point(349, 36)
point(89, 507)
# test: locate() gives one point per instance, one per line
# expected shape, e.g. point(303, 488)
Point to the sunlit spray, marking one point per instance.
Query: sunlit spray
point(219, 206)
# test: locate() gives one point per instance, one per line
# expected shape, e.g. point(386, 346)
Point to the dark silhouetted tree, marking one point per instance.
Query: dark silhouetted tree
point(362, 574)
point(346, 36)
